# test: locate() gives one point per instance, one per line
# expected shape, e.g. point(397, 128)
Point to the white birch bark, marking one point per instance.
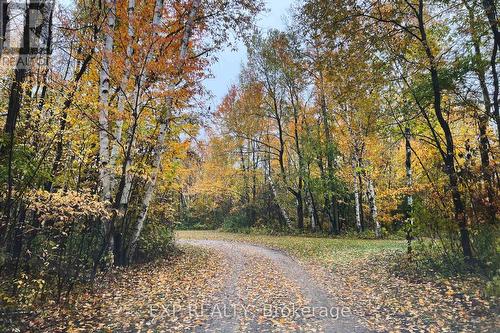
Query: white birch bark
point(311, 212)
point(159, 148)
point(157, 15)
point(283, 212)
point(356, 195)
point(122, 95)
point(104, 83)
point(125, 195)
point(373, 206)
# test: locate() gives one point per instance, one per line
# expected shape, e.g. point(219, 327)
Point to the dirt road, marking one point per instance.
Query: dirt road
point(268, 291)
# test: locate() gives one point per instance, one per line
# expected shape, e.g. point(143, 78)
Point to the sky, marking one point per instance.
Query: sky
point(225, 71)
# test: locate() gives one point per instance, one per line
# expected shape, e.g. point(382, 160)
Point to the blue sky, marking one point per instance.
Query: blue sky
point(227, 68)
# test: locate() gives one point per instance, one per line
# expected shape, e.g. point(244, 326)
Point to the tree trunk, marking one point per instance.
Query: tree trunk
point(409, 196)
point(373, 206)
point(315, 224)
point(491, 13)
point(4, 22)
point(122, 94)
point(311, 213)
point(329, 153)
point(483, 118)
point(360, 198)
point(298, 195)
point(300, 211)
point(104, 86)
point(245, 199)
point(255, 164)
point(326, 197)
point(48, 53)
point(357, 203)
point(449, 155)
point(159, 148)
point(150, 186)
point(485, 169)
point(496, 89)
point(123, 190)
point(283, 212)
point(14, 107)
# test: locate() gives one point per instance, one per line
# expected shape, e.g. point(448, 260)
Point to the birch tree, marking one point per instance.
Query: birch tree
point(164, 123)
point(104, 87)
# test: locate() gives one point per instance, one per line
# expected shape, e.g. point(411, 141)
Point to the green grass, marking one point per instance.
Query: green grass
point(319, 249)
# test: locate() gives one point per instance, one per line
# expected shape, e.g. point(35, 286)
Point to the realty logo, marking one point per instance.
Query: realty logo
point(19, 38)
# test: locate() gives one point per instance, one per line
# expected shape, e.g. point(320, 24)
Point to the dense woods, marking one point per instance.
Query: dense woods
point(365, 119)
point(97, 114)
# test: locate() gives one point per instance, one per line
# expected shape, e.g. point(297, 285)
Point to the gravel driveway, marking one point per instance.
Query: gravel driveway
point(268, 291)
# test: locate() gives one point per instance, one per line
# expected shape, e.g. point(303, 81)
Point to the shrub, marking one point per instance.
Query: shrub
point(156, 241)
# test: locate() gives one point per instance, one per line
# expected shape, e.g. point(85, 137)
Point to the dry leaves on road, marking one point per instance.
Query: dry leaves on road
point(271, 297)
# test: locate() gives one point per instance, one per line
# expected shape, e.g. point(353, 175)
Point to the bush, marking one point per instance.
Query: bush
point(486, 243)
point(156, 241)
point(53, 247)
point(236, 223)
point(493, 286)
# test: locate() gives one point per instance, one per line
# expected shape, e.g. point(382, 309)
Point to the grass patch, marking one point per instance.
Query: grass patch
point(319, 249)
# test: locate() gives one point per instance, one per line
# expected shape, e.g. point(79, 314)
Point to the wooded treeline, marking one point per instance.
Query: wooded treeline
point(97, 111)
point(376, 117)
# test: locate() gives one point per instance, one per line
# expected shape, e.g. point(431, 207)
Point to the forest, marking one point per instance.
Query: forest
point(367, 125)
point(374, 119)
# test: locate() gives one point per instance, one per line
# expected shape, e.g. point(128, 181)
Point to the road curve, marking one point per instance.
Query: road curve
point(268, 291)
